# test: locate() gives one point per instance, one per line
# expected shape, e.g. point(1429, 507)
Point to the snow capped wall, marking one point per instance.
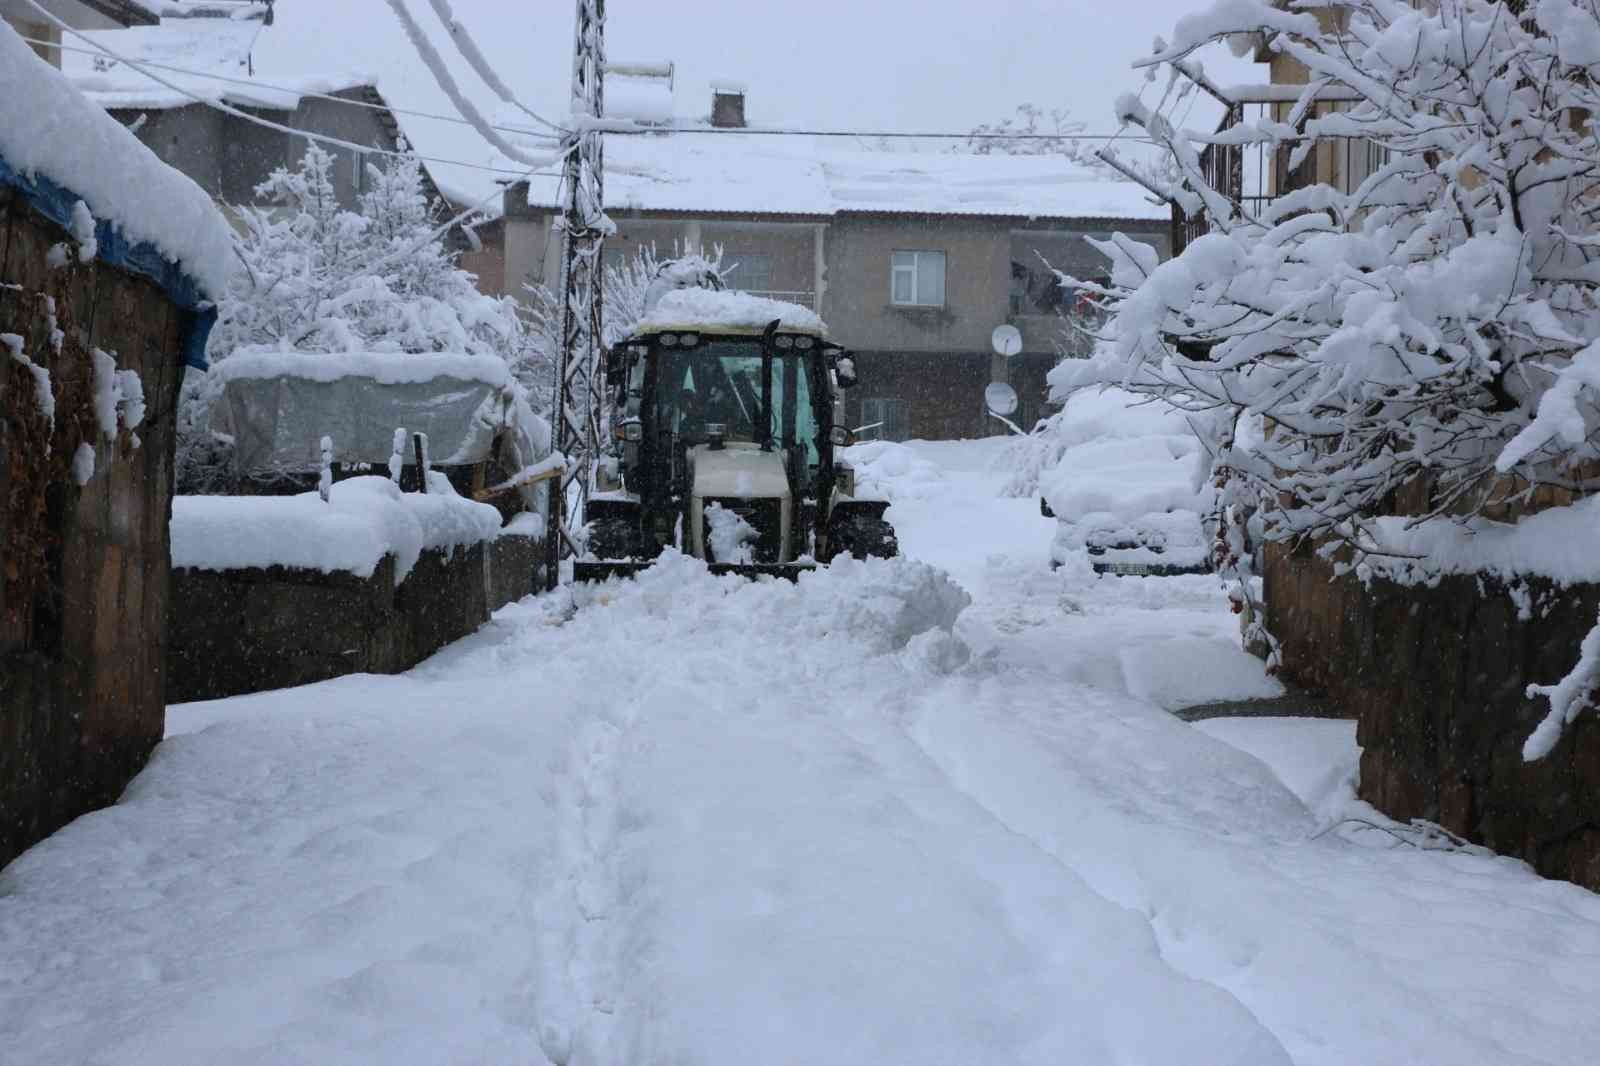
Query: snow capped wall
point(48, 129)
point(365, 519)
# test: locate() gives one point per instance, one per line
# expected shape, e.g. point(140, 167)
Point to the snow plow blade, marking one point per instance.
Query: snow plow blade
point(586, 572)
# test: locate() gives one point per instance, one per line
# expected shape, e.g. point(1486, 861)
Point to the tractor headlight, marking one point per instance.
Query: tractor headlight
point(631, 431)
point(805, 343)
point(688, 340)
point(669, 340)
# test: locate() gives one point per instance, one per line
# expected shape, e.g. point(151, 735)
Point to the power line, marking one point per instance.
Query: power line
point(143, 66)
point(257, 83)
point(765, 131)
point(463, 104)
point(749, 131)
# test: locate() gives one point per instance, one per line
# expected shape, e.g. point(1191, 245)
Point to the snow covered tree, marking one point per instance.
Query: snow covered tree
point(1435, 322)
point(1432, 330)
point(316, 277)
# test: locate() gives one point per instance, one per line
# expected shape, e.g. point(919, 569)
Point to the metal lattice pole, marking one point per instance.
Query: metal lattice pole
point(578, 389)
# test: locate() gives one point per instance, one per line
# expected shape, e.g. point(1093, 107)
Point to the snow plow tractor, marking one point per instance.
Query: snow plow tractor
point(725, 424)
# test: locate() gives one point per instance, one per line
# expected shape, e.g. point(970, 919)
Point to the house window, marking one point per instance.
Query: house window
point(883, 418)
point(749, 273)
point(358, 176)
point(916, 279)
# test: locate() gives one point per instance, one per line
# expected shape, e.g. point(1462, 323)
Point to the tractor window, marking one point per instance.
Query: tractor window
point(720, 382)
point(794, 419)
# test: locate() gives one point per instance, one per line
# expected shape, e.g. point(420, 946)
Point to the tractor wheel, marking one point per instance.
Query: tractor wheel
point(613, 538)
point(865, 537)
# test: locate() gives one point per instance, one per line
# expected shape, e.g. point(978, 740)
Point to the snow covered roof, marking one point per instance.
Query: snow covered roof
point(713, 311)
point(48, 130)
point(796, 175)
point(205, 46)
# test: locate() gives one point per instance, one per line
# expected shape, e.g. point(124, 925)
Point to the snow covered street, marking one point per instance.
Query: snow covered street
point(932, 810)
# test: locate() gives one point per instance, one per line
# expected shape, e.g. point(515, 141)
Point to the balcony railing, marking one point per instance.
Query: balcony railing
point(803, 297)
point(1253, 176)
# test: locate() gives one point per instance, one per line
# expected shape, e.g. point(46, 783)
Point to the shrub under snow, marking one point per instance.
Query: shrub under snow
point(318, 278)
point(1435, 327)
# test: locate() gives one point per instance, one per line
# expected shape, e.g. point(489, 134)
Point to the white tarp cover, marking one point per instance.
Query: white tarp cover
point(276, 422)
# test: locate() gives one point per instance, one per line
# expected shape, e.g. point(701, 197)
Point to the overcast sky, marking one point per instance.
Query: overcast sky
point(933, 65)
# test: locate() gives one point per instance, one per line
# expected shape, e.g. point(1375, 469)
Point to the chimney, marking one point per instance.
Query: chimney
point(727, 105)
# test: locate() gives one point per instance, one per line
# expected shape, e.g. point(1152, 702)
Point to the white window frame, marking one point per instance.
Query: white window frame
point(900, 266)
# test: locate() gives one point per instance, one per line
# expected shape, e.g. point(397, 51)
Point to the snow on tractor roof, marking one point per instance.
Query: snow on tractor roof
point(713, 311)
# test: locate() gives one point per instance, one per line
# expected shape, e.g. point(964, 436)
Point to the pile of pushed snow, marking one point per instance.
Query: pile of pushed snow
point(713, 309)
point(364, 519)
point(879, 604)
point(48, 129)
point(865, 606)
point(886, 470)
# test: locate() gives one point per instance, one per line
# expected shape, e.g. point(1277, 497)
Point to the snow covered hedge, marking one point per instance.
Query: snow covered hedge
point(1435, 327)
point(318, 279)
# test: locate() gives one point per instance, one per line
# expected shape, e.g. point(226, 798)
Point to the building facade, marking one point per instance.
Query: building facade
point(912, 260)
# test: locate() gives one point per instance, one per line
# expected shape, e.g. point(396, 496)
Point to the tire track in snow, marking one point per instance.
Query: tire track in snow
point(899, 709)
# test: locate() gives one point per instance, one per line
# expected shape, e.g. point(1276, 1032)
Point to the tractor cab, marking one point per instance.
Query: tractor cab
point(725, 420)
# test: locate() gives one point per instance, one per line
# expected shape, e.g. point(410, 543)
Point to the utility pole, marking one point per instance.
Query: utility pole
point(584, 225)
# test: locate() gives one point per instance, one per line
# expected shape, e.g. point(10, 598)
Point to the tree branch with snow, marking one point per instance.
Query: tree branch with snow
point(1429, 329)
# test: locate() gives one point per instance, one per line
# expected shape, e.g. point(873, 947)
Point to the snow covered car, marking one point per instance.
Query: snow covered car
point(1123, 489)
point(1152, 545)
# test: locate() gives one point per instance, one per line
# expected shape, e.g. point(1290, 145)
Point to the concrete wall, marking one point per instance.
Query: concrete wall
point(83, 592)
point(249, 630)
point(229, 157)
point(1437, 678)
point(977, 282)
point(186, 139)
point(488, 263)
point(943, 393)
point(347, 122)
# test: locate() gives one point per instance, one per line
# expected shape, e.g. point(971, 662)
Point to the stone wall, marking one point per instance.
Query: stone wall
point(249, 630)
point(83, 568)
point(1436, 677)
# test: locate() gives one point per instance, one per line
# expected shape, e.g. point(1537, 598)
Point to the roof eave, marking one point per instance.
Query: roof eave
point(125, 12)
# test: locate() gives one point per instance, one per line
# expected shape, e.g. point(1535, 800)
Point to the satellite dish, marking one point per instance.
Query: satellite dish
point(1001, 398)
point(1007, 340)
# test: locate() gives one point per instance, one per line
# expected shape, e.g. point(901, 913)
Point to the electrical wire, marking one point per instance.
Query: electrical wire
point(309, 94)
point(255, 119)
point(480, 64)
point(636, 130)
point(447, 82)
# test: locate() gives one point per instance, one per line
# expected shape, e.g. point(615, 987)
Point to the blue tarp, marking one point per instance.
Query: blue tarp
point(56, 202)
